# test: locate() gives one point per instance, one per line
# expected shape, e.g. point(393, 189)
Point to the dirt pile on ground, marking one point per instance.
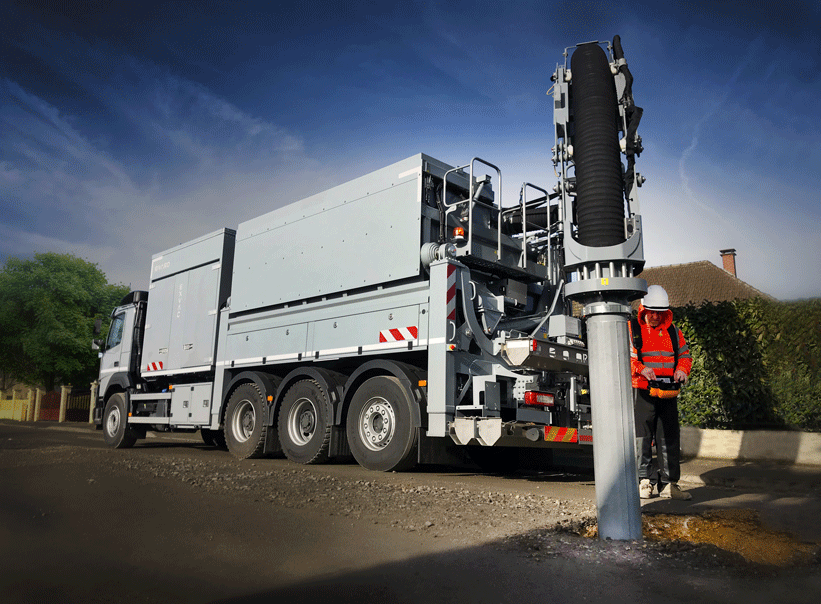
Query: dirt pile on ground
point(739, 533)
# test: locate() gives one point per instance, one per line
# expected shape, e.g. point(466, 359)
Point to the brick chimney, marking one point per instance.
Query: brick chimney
point(728, 258)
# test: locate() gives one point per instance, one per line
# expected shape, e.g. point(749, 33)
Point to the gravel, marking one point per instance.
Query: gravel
point(462, 514)
point(538, 527)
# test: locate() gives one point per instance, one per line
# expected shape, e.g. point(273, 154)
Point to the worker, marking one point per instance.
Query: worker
point(660, 362)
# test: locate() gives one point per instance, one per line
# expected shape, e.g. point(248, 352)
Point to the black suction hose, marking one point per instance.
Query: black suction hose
point(599, 185)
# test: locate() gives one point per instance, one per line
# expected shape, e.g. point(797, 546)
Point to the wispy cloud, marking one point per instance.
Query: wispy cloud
point(713, 108)
point(163, 156)
point(114, 148)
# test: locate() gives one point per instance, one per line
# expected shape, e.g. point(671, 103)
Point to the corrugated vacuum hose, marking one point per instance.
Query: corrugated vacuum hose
point(599, 185)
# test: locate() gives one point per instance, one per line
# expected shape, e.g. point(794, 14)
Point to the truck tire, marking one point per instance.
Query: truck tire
point(304, 425)
point(116, 431)
point(380, 428)
point(245, 422)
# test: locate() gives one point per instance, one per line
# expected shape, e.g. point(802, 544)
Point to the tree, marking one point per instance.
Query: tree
point(48, 306)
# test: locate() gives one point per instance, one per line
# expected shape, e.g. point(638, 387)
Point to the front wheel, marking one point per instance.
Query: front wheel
point(116, 431)
point(380, 427)
point(245, 421)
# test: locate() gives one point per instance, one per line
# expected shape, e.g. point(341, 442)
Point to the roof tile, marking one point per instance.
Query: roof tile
point(699, 283)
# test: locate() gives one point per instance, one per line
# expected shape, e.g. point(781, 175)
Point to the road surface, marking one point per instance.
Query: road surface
point(172, 520)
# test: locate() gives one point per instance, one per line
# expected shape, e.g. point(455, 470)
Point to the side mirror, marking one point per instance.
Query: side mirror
point(98, 325)
point(95, 344)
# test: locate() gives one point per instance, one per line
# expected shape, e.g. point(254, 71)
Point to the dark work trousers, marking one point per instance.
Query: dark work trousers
point(657, 418)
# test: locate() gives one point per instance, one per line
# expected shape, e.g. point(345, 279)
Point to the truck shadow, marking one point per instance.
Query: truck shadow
point(540, 566)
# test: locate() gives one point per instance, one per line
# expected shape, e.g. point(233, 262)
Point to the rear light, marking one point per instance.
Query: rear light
point(539, 399)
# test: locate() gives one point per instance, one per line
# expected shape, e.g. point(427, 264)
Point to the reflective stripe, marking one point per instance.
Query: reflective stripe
point(661, 365)
point(560, 435)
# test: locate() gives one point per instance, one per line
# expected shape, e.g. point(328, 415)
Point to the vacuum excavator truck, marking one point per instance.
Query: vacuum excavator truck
point(404, 310)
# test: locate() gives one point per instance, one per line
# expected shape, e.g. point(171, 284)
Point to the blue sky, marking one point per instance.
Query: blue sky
point(127, 128)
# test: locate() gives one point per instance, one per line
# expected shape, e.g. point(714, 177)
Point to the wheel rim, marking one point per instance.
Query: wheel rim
point(302, 421)
point(245, 420)
point(377, 424)
point(113, 421)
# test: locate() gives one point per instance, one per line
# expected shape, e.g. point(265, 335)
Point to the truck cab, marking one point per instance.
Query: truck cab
point(121, 351)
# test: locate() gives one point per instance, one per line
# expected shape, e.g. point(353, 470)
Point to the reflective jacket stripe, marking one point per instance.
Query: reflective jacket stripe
point(661, 357)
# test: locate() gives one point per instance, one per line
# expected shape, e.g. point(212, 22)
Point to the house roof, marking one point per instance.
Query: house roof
point(699, 282)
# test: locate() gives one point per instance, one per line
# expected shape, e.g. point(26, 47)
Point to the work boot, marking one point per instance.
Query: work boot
point(672, 491)
point(645, 489)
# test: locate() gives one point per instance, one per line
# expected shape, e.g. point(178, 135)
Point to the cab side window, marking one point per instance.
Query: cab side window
point(115, 332)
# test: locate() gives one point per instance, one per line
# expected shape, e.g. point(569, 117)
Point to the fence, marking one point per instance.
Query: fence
point(50, 407)
point(77, 406)
point(35, 405)
point(16, 406)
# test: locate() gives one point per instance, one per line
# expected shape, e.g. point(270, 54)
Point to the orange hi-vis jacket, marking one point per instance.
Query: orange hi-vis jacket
point(657, 350)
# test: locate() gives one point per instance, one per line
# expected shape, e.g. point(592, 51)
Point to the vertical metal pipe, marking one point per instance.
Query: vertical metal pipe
point(611, 401)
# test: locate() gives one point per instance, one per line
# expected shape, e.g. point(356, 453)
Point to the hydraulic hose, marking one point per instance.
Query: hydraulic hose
point(537, 218)
point(599, 186)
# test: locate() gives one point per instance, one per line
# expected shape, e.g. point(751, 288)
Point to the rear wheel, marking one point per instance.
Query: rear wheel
point(116, 431)
point(380, 428)
point(245, 422)
point(304, 424)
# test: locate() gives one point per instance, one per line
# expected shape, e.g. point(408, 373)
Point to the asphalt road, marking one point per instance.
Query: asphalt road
point(173, 521)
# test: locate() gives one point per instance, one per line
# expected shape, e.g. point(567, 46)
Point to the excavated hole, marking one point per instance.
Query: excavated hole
point(737, 531)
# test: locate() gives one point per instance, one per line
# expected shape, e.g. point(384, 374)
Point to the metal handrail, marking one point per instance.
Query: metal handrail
point(472, 194)
point(499, 203)
point(523, 258)
point(450, 208)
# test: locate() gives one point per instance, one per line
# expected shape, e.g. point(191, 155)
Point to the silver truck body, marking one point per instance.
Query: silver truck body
point(359, 281)
point(407, 309)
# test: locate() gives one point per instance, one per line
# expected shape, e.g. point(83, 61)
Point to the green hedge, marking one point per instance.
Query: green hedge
point(756, 365)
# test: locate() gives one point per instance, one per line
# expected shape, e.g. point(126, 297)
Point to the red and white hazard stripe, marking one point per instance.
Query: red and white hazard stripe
point(154, 366)
point(451, 299)
point(398, 335)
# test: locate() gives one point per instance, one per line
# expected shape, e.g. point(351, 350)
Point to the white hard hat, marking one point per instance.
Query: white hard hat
point(656, 298)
